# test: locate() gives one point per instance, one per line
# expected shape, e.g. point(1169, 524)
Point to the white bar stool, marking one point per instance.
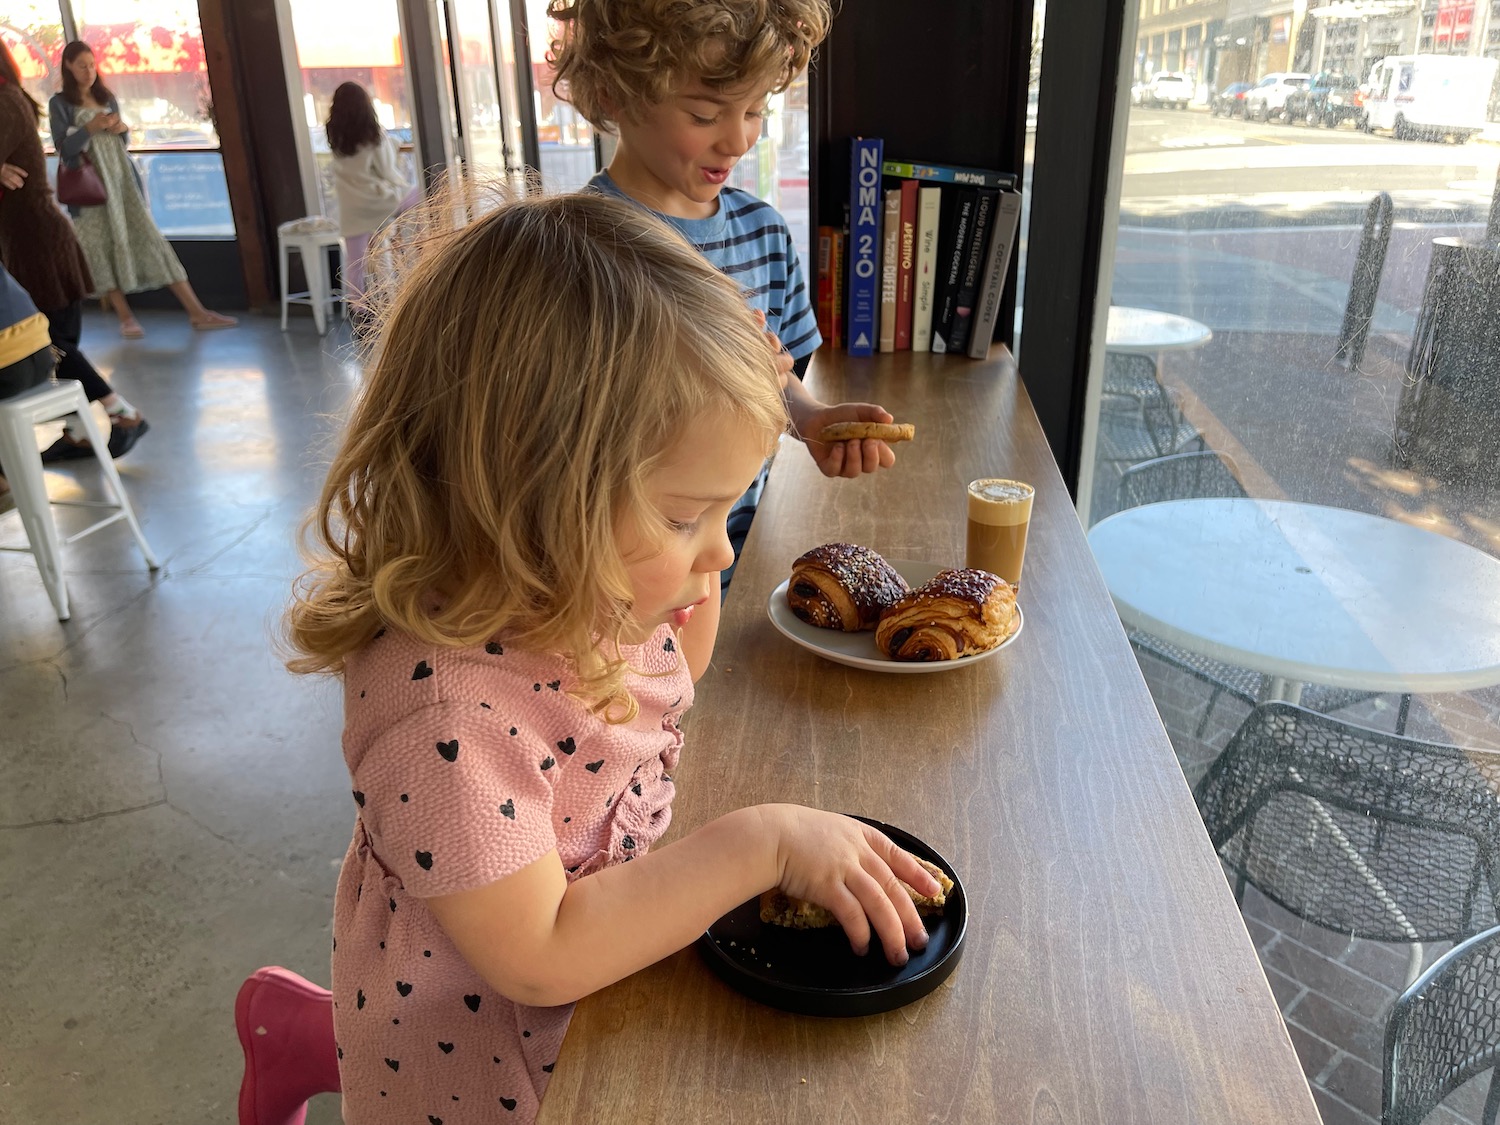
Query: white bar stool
point(23, 468)
point(311, 237)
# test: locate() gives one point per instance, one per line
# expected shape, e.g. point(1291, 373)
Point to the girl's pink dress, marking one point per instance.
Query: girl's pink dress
point(468, 765)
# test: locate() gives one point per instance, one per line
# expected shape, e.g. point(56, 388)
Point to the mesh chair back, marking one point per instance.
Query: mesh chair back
point(1367, 833)
point(1443, 1031)
point(1127, 374)
point(1180, 476)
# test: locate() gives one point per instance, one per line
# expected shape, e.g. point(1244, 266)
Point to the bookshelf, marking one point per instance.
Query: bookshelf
point(938, 80)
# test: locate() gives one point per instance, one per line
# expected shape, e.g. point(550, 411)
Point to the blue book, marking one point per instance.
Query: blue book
point(862, 326)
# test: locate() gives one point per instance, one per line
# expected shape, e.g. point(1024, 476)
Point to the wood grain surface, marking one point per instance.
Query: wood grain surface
point(1106, 977)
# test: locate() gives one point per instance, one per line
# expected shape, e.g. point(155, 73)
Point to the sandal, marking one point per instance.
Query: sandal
point(67, 448)
point(213, 320)
point(124, 433)
point(131, 329)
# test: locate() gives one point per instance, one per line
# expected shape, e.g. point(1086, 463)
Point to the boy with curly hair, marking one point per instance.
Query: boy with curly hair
point(685, 86)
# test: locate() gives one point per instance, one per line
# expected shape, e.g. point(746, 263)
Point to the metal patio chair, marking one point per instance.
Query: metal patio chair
point(1443, 1031)
point(1366, 833)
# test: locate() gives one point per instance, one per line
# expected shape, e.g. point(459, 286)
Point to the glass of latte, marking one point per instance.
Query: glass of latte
point(999, 514)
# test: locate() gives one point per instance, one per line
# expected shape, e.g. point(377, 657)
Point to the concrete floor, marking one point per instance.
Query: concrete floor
point(175, 804)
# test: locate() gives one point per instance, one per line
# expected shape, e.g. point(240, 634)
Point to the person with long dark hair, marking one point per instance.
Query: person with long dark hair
point(367, 182)
point(125, 251)
point(39, 248)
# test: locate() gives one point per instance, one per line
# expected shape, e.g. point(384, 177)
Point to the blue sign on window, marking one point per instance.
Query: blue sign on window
point(187, 193)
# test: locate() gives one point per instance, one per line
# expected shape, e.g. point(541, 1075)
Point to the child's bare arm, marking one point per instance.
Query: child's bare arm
point(540, 941)
point(840, 458)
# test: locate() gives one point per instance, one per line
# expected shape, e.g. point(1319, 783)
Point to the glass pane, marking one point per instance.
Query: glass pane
point(1298, 428)
point(150, 55)
point(35, 38)
point(565, 138)
point(479, 100)
point(342, 41)
point(1033, 88)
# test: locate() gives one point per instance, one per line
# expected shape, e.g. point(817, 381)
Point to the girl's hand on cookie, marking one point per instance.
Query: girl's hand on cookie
point(855, 873)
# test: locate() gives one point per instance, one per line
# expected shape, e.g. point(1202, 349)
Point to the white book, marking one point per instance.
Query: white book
point(890, 265)
point(929, 207)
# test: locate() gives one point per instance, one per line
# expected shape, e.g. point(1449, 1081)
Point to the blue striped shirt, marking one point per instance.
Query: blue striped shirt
point(749, 241)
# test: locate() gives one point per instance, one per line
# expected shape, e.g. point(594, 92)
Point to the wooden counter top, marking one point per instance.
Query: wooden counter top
point(1106, 976)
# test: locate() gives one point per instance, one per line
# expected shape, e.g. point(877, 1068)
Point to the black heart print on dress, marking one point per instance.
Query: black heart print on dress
point(473, 1002)
point(448, 750)
point(554, 684)
point(494, 649)
point(548, 763)
point(669, 646)
point(508, 810)
point(549, 1066)
point(421, 671)
point(424, 860)
point(403, 988)
point(359, 798)
point(567, 745)
point(446, 1048)
point(593, 767)
point(394, 1064)
point(508, 1103)
point(359, 999)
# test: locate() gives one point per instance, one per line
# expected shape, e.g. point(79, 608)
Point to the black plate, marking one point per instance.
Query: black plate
point(815, 973)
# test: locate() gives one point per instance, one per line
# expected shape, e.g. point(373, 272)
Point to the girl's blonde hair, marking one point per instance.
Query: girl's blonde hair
point(531, 372)
point(618, 57)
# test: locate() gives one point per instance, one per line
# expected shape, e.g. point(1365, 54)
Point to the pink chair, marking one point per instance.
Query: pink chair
point(286, 1029)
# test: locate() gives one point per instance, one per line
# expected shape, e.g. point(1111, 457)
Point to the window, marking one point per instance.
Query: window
point(35, 37)
point(343, 41)
point(150, 55)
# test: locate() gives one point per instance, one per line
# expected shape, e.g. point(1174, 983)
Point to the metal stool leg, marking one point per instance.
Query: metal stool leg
point(111, 474)
point(23, 468)
point(283, 252)
point(315, 262)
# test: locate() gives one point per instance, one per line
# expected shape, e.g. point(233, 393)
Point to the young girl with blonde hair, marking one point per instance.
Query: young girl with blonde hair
point(519, 545)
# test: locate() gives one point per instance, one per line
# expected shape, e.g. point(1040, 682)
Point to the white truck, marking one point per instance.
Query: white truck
point(1429, 97)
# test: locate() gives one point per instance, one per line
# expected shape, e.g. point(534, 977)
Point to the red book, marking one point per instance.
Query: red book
point(906, 274)
point(836, 337)
point(826, 291)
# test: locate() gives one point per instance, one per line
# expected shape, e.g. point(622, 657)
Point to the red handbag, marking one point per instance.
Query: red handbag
point(81, 186)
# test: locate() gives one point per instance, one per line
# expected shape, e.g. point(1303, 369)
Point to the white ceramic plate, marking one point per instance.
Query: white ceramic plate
point(858, 649)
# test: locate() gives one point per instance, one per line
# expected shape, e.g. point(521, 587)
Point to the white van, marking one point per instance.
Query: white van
point(1429, 97)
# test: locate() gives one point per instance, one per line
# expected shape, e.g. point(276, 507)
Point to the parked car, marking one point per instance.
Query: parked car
point(1428, 97)
point(1169, 88)
point(1267, 99)
point(1329, 99)
point(1230, 101)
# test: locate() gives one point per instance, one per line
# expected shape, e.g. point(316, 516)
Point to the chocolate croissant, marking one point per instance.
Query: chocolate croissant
point(843, 586)
point(957, 613)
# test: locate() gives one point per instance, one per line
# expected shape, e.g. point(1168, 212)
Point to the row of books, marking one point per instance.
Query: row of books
point(921, 263)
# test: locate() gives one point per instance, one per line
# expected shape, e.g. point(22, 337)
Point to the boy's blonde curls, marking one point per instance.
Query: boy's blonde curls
point(619, 57)
point(531, 372)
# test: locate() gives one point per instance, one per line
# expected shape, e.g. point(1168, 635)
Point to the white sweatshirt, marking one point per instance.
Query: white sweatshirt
point(368, 186)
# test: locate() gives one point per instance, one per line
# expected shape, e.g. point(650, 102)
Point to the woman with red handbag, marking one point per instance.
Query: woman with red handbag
point(125, 251)
point(39, 248)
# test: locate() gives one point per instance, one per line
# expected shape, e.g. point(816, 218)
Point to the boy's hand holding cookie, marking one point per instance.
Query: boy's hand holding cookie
point(851, 456)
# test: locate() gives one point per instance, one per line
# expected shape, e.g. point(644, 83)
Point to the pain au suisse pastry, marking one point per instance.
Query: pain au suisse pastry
point(843, 586)
point(780, 909)
point(956, 613)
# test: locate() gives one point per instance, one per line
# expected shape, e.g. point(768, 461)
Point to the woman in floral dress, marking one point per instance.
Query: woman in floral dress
point(125, 251)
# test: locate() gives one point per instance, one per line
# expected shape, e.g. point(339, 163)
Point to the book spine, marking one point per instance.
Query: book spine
point(929, 211)
point(948, 174)
point(836, 337)
point(890, 266)
point(1006, 220)
point(906, 264)
point(968, 288)
point(825, 282)
point(864, 245)
point(951, 249)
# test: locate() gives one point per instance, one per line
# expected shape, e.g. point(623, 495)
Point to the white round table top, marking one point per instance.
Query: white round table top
point(1148, 331)
point(1307, 593)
